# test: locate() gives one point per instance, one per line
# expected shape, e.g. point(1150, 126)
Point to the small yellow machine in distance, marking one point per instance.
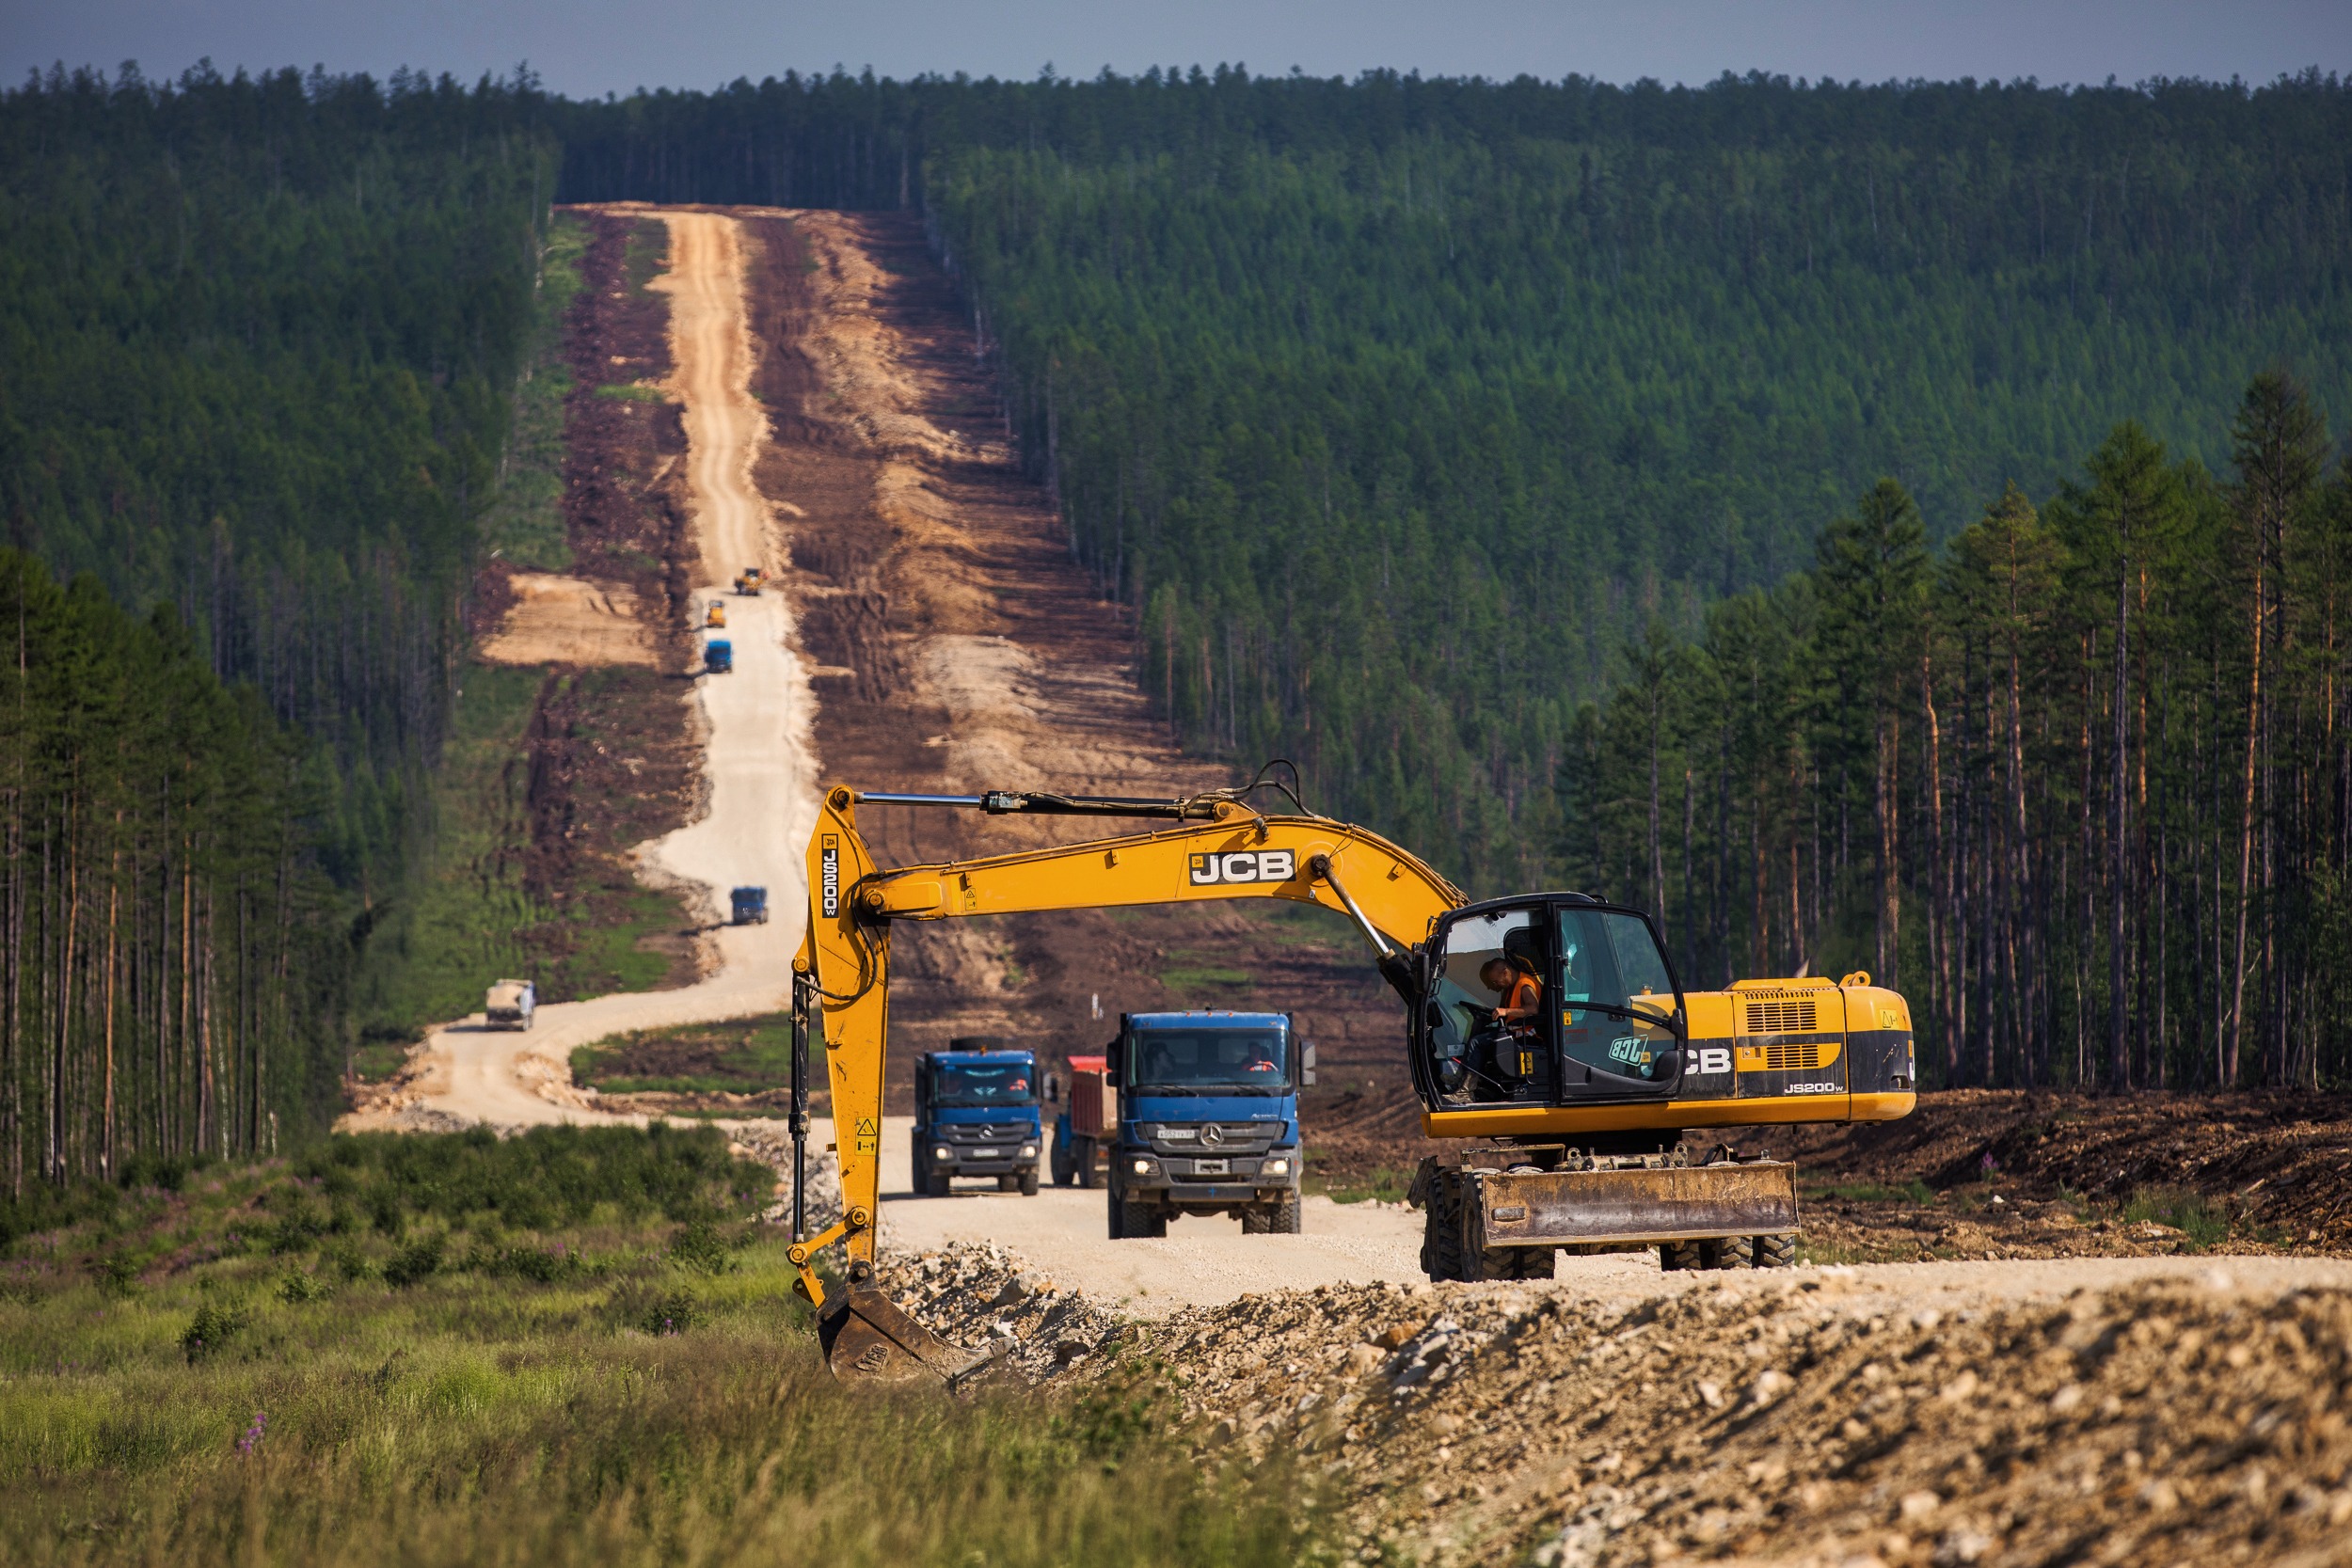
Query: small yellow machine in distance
point(1547, 1027)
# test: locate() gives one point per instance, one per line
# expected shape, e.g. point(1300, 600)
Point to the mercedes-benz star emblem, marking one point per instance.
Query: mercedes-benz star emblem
point(1212, 1134)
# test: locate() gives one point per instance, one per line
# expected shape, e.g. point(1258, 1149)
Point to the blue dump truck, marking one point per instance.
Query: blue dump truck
point(751, 906)
point(976, 1115)
point(1208, 1120)
point(718, 657)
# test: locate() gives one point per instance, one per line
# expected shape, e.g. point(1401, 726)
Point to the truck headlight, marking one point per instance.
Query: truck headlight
point(1142, 1167)
point(1275, 1167)
point(1028, 1152)
point(943, 1152)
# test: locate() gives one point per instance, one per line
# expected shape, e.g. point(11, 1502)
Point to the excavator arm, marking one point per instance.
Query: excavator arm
point(1216, 848)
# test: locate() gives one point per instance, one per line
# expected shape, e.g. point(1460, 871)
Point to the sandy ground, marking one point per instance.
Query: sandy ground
point(561, 620)
point(759, 764)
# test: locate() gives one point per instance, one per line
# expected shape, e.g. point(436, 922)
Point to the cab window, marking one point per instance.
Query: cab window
point(1608, 959)
point(1485, 962)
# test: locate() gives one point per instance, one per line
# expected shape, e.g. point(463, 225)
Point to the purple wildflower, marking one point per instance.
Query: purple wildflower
point(1987, 1164)
point(252, 1438)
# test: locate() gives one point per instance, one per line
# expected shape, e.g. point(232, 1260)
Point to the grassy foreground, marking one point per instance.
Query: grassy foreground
point(575, 1346)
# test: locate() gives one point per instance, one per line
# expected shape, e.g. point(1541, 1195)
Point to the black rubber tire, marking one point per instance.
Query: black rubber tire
point(1118, 1213)
point(938, 1183)
point(1732, 1254)
point(1282, 1216)
point(1009, 1182)
point(1441, 1234)
point(1088, 1175)
point(1774, 1252)
point(1028, 1182)
point(1065, 1168)
point(1535, 1263)
point(1257, 1219)
point(1141, 1222)
point(1678, 1255)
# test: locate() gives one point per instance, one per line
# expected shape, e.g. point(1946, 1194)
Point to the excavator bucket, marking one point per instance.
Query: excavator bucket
point(866, 1338)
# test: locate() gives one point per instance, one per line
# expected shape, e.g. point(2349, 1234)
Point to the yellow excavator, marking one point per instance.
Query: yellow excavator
point(1547, 1031)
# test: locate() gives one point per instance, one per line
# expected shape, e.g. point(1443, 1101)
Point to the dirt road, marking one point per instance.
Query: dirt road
point(759, 764)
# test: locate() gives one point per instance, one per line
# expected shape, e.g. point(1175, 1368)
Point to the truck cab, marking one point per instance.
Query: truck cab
point(718, 657)
point(511, 1004)
point(1208, 1119)
point(750, 905)
point(976, 1114)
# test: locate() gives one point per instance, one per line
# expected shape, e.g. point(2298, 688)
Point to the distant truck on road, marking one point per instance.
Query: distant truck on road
point(751, 906)
point(511, 1004)
point(1207, 1119)
point(1087, 1127)
point(749, 580)
point(976, 1115)
point(718, 656)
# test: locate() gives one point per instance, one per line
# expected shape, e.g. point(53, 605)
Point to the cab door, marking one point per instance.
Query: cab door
point(1615, 1005)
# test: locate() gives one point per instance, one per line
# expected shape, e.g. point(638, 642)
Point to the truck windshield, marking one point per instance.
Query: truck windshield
point(1226, 1060)
point(985, 1083)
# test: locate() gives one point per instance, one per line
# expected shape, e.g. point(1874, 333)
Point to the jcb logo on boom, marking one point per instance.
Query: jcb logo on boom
point(829, 875)
point(1242, 866)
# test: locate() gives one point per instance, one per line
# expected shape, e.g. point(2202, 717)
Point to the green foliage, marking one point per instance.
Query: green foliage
point(2204, 1220)
point(490, 1405)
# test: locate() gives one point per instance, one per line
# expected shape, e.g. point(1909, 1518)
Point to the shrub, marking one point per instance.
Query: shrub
point(420, 1260)
point(214, 1327)
point(698, 1245)
point(2203, 1220)
point(297, 1288)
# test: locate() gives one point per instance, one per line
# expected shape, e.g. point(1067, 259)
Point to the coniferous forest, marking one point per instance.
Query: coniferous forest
point(1892, 527)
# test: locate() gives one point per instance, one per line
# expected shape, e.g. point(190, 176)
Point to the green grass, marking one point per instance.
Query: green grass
point(1913, 1190)
point(451, 929)
point(633, 391)
point(2204, 1220)
point(615, 1385)
point(1386, 1184)
point(1191, 976)
point(646, 254)
point(524, 521)
point(742, 1057)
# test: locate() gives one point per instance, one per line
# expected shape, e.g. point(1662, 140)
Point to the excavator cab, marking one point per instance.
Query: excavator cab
point(1608, 1025)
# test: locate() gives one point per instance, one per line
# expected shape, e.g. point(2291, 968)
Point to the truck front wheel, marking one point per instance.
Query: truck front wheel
point(1028, 1182)
point(1277, 1218)
point(1134, 1222)
point(1065, 1168)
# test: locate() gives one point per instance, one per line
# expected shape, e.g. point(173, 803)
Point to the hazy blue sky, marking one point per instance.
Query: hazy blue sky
point(589, 47)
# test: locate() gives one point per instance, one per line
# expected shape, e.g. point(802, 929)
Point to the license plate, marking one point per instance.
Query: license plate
point(1212, 1168)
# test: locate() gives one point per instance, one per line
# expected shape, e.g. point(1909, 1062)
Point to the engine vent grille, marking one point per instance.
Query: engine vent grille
point(1781, 1018)
point(1803, 1057)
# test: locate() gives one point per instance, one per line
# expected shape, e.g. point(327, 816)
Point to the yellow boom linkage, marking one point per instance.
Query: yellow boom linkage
point(1624, 1062)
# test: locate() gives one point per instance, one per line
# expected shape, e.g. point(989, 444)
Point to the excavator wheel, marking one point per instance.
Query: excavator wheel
point(1732, 1254)
point(1775, 1252)
point(1679, 1255)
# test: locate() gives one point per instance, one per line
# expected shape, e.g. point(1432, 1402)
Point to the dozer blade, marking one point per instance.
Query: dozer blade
point(866, 1338)
point(1673, 1204)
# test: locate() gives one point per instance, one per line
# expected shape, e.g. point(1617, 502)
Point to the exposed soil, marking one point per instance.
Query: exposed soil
point(546, 618)
point(957, 647)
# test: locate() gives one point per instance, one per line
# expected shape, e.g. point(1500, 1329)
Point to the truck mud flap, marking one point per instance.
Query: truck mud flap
point(868, 1339)
point(1674, 1203)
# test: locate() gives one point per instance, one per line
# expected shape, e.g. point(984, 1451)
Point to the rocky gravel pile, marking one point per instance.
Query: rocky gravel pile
point(1811, 1420)
point(983, 1298)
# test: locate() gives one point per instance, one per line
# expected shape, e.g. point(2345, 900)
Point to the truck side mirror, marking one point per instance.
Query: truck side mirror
point(1053, 1089)
point(1307, 1064)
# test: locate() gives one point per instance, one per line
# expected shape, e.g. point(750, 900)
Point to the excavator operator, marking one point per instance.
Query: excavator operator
point(1522, 994)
